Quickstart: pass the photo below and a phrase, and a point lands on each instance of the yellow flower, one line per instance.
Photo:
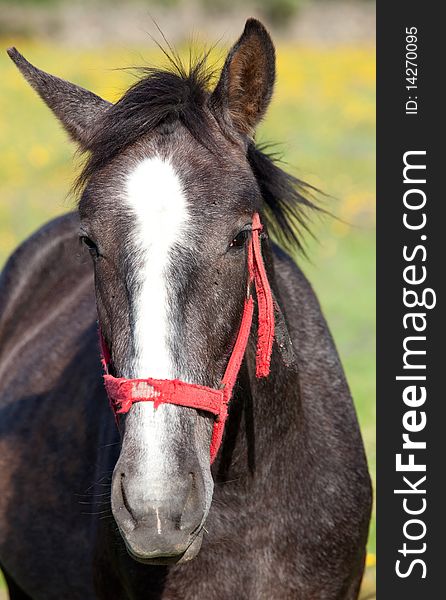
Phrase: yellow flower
(38, 156)
(370, 560)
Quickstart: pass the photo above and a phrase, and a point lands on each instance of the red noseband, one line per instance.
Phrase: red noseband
(124, 392)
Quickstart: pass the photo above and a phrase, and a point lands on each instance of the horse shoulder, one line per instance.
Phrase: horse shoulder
(49, 433)
(329, 429)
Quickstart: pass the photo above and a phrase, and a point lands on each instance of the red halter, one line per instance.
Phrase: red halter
(124, 392)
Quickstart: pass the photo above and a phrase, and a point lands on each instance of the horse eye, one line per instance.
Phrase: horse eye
(92, 248)
(240, 239)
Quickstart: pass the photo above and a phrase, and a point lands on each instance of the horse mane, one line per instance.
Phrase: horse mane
(287, 200)
(178, 93)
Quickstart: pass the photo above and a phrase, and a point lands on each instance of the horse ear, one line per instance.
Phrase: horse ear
(246, 83)
(76, 108)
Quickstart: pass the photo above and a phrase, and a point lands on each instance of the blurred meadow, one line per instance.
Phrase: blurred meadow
(323, 118)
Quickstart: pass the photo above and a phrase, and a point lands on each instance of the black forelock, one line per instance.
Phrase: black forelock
(180, 95)
(161, 96)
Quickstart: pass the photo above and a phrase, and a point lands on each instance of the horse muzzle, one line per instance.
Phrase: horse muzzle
(160, 497)
(159, 521)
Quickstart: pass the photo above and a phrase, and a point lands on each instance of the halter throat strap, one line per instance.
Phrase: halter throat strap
(123, 392)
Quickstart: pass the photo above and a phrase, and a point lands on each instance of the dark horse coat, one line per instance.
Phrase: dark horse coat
(291, 502)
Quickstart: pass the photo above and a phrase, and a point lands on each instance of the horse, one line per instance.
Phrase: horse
(174, 197)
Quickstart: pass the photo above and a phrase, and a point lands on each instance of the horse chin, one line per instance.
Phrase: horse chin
(189, 554)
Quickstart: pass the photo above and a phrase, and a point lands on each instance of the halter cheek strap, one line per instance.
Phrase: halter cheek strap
(124, 392)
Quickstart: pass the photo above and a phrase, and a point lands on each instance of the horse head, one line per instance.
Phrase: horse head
(166, 212)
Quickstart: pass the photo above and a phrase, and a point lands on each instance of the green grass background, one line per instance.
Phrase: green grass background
(323, 115)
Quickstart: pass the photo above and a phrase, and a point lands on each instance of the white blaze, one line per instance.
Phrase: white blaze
(158, 202)
(156, 197)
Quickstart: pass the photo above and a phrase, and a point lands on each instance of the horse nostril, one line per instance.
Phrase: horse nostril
(190, 505)
(124, 497)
